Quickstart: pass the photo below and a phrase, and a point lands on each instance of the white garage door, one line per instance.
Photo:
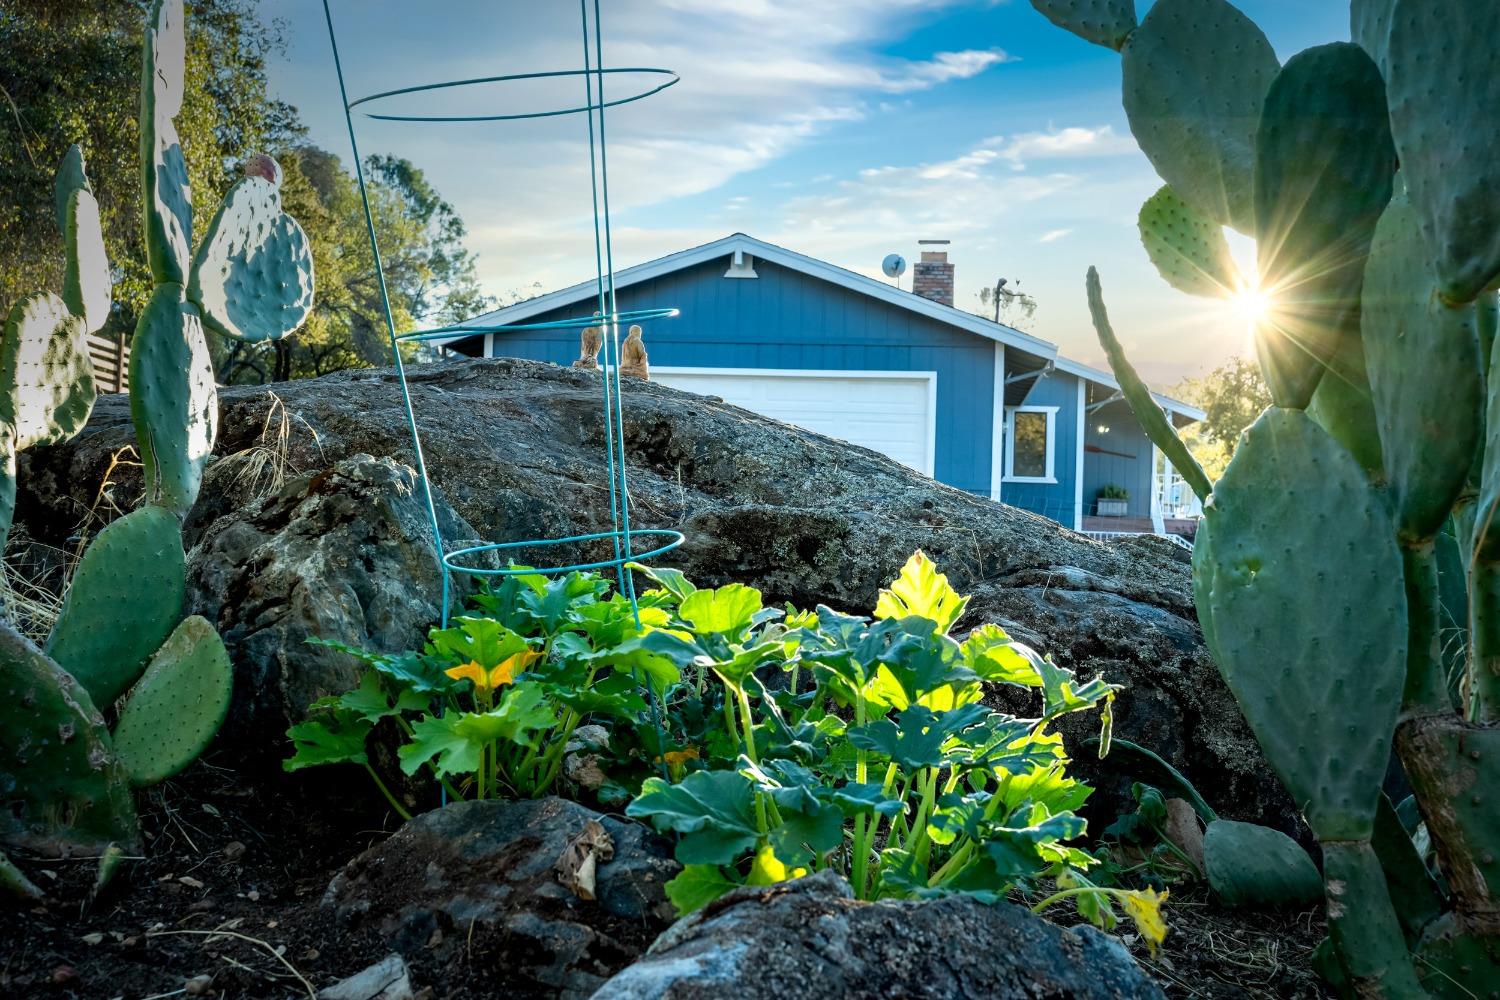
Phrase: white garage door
(889, 412)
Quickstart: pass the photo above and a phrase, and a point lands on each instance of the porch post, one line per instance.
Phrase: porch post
(1158, 484)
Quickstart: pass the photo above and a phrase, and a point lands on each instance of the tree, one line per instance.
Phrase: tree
(1231, 396)
(1010, 306)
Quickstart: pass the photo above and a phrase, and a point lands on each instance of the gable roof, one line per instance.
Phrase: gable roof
(1045, 351)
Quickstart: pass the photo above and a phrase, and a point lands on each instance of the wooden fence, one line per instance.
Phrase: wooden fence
(111, 359)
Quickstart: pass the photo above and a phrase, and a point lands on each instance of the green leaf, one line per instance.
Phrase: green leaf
(768, 869)
(370, 702)
(329, 738)
(714, 810)
(921, 591)
(729, 610)
(457, 738)
(553, 605)
(481, 640)
(919, 737)
(407, 670)
(1060, 693)
(673, 581)
(611, 623)
(862, 798)
(696, 886)
(928, 671)
(1049, 787)
(994, 657)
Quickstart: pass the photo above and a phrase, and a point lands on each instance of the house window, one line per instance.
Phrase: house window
(1029, 445)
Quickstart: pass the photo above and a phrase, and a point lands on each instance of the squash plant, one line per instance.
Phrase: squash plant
(784, 741)
(864, 745)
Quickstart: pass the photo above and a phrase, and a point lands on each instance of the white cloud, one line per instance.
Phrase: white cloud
(1053, 235)
(1061, 143)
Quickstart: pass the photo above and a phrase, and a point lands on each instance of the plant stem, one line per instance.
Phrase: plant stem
(400, 809)
(859, 864)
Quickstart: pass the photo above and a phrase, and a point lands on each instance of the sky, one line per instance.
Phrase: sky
(841, 129)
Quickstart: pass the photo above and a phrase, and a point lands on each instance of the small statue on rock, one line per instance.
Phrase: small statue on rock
(592, 340)
(633, 360)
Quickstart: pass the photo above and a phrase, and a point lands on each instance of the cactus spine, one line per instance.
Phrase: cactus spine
(1360, 506)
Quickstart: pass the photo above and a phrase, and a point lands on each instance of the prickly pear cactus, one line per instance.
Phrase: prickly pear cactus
(178, 705)
(164, 176)
(1189, 250)
(252, 279)
(172, 398)
(46, 385)
(1324, 164)
(60, 783)
(1195, 75)
(1103, 22)
(1443, 78)
(253, 275)
(133, 572)
(1253, 865)
(86, 280)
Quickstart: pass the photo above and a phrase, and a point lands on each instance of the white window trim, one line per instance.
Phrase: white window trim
(930, 377)
(997, 424)
(1010, 444)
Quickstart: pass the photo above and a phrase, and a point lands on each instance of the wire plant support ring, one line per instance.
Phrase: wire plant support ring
(622, 538)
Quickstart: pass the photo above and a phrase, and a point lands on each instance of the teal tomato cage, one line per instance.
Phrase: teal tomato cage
(622, 540)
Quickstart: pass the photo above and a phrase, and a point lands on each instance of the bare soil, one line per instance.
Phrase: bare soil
(233, 872)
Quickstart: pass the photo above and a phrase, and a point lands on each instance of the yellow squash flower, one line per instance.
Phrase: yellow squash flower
(495, 677)
(1144, 907)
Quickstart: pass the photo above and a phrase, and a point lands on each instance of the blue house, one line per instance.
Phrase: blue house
(971, 402)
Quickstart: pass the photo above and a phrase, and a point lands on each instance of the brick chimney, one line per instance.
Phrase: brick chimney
(932, 277)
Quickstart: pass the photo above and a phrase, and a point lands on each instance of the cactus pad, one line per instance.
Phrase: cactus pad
(86, 282)
(1253, 865)
(1443, 78)
(1363, 925)
(1189, 251)
(46, 379)
(172, 398)
(1341, 405)
(164, 176)
(1195, 74)
(1458, 958)
(1103, 22)
(1370, 27)
(60, 785)
(1317, 668)
(178, 706)
(125, 599)
(1459, 767)
(253, 275)
(1425, 375)
(71, 176)
(1142, 404)
(1324, 165)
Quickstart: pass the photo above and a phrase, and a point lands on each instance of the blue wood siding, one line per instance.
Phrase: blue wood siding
(1120, 454)
(1058, 500)
(785, 319)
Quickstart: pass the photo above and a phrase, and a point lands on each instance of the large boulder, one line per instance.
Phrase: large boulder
(810, 938)
(517, 450)
(494, 885)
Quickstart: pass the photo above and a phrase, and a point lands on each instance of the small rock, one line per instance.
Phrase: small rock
(94, 938)
(198, 986)
(387, 979)
(253, 896)
(64, 974)
(588, 738)
(584, 771)
(233, 851)
(190, 882)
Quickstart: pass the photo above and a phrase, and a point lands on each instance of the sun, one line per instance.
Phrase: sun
(1251, 303)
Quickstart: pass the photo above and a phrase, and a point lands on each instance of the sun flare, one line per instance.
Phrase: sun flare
(1251, 303)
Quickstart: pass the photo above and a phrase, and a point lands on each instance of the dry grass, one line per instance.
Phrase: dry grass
(264, 467)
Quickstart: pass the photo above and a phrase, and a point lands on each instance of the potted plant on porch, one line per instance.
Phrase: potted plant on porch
(1112, 500)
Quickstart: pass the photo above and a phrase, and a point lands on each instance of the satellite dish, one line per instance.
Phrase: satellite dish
(894, 265)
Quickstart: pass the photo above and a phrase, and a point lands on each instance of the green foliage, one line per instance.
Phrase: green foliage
(1346, 571)
(1113, 491)
(1231, 397)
